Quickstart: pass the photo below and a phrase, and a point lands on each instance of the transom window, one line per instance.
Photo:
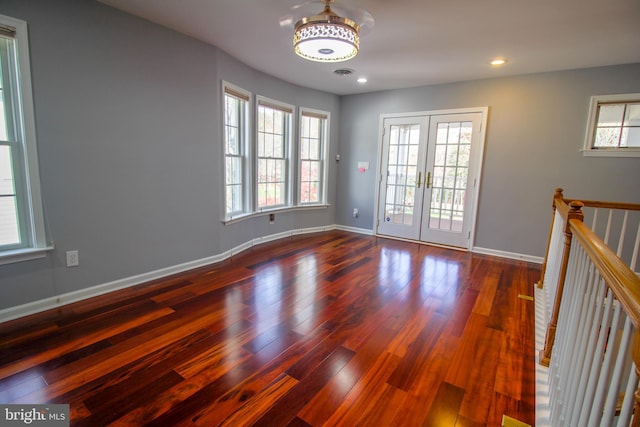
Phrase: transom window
(614, 126)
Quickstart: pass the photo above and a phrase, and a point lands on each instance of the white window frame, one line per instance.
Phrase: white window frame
(33, 243)
(244, 132)
(324, 153)
(289, 110)
(596, 101)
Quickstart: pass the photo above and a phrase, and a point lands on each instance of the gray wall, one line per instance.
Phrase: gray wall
(128, 124)
(535, 131)
(129, 141)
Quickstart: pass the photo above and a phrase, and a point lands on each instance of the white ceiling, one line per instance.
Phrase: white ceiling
(414, 42)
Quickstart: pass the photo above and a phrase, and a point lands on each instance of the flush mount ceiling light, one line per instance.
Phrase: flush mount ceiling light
(498, 61)
(326, 37)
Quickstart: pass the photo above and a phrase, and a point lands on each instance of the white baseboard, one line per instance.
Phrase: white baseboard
(510, 255)
(366, 231)
(93, 291)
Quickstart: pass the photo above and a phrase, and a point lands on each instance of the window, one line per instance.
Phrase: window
(313, 131)
(614, 126)
(273, 153)
(264, 170)
(22, 233)
(236, 171)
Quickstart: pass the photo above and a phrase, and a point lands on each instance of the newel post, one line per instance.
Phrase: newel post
(575, 212)
(556, 195)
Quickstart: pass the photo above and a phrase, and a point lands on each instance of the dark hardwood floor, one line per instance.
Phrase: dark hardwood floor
(325, 329)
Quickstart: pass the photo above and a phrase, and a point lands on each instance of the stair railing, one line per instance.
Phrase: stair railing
(593, 323)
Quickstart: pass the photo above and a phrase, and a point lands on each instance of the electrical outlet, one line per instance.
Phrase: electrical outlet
(72, 259)
(355, 213)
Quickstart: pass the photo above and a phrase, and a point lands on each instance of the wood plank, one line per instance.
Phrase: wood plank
(332, 328)
(286, 408)
(444, 411)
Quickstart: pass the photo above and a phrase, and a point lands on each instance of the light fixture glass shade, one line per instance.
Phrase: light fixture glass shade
(326, 38)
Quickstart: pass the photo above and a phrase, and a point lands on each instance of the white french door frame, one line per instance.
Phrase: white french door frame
(478, 156)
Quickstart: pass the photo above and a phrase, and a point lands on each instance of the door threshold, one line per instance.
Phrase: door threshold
(421, 242)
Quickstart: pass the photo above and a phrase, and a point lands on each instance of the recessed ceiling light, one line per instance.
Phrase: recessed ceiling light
(498, 61)
(362, 80)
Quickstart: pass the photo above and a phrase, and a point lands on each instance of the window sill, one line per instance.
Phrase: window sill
(264, 212)
(19, 255)
(627, 152)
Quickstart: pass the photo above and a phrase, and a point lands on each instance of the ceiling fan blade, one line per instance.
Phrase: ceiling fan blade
(314, 7)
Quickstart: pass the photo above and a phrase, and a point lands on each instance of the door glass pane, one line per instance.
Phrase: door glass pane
(450, 175)
(402, 174)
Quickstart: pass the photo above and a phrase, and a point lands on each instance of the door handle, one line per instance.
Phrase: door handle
(419, 178)
(428, 183)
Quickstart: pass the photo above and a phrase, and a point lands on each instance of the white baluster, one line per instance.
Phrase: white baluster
(626, 412)
(622, 351)
(595, 418)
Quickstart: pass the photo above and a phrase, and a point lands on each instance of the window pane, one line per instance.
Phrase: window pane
(234, 170)
(607, 137)
(261, 145)
(231, 111)
(632, 116)
(314, 126)
(233, 145)
(630, 137)
(304, 148)
(9, 231)
(9, 234)
(278, 146)
(314, 149)
(3, 122)
(268, 145)
(610, 115)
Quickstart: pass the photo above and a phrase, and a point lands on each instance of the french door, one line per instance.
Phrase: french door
(428, 176)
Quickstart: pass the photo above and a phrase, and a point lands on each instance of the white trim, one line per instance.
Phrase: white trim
(93, 291)
(484, 111)
(246, 130)
(325, 154)
(26, 128)
(19, 255)
(505, 254)
(611, 152)
(366, 231)
(290, 136)
(265, 212)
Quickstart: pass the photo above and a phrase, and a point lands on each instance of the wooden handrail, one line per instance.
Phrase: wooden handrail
(569, 209)
(620, 281)
(607, 205)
